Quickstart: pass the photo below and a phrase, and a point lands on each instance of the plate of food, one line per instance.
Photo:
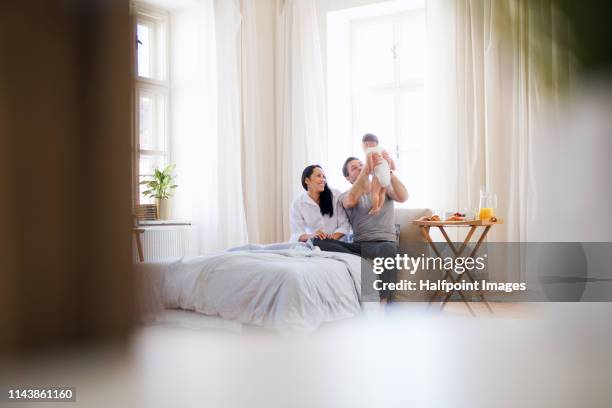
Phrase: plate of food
(457, 216)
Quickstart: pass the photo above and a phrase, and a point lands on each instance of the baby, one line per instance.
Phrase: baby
(381, 177)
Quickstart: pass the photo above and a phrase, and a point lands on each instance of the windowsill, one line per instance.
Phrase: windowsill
(163, 223)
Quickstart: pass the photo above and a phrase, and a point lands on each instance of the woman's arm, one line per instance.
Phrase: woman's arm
(297, 224)
(343, 226)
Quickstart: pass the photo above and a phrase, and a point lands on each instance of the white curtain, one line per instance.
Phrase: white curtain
(231, 214)
(491, 102)
(194, 120)
(205, 113)
(301, 122)
(500, 96)
(441, 109)
(258, 147)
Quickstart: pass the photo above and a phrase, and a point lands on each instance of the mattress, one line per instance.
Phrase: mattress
(278, 287)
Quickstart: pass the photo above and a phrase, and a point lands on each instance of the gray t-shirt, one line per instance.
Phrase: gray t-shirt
(366, 227)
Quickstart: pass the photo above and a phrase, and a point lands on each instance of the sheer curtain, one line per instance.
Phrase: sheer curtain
(300, 102)
(231, 211)
(258, 147)
(441, 105)
(206, 130)
(500, 97)
(193, 119)
(493, 106)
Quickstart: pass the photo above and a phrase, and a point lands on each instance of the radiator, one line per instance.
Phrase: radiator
(163, 242)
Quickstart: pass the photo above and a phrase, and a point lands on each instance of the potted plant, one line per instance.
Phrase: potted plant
(159, 187)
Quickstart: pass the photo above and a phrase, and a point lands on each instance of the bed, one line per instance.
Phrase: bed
(282, 286)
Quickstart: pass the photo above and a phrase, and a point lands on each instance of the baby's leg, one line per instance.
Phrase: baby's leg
(375, 195)
(381, 200)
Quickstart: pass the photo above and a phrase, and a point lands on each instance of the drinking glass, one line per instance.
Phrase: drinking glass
(488, 204)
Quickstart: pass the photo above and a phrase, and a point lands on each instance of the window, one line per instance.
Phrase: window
(151, 94)
(387, 88)
(376, 63)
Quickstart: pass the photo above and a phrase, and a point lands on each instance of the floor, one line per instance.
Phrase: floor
(528, 355)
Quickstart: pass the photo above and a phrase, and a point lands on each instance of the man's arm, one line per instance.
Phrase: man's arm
(359, 187)
(398, 191)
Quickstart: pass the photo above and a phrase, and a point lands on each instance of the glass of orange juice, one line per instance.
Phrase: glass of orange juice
(488, 203)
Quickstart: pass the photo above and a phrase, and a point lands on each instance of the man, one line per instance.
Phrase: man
(374, 234)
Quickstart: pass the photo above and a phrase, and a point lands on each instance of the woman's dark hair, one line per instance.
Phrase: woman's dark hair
(326, 200)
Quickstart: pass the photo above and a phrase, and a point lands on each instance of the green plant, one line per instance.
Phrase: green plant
(159, 185)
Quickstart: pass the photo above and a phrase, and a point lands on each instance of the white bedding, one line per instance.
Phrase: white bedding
(294, 288)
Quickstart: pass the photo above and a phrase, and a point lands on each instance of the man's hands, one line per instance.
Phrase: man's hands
(389, 160)
(374, 160)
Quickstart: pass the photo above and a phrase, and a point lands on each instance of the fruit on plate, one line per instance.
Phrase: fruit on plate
(455, 218)
(435, 218)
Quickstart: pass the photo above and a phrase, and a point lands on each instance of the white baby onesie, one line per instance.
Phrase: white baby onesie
(382, 171)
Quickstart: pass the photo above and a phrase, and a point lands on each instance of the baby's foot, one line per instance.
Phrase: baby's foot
(374, 211)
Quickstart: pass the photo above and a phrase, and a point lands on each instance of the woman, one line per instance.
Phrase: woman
(316, 212)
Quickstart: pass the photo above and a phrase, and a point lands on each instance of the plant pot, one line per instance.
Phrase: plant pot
(162, 209)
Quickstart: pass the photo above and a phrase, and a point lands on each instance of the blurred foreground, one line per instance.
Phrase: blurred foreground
(537, 355)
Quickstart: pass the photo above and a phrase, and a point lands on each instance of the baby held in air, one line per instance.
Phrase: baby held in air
(381, 177)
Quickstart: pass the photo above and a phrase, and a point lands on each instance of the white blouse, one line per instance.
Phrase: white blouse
(306, 217)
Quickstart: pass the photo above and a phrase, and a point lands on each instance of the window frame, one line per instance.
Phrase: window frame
(397, 87)
(158, 85)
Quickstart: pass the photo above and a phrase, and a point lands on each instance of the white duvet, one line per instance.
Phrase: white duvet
(279, 287)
